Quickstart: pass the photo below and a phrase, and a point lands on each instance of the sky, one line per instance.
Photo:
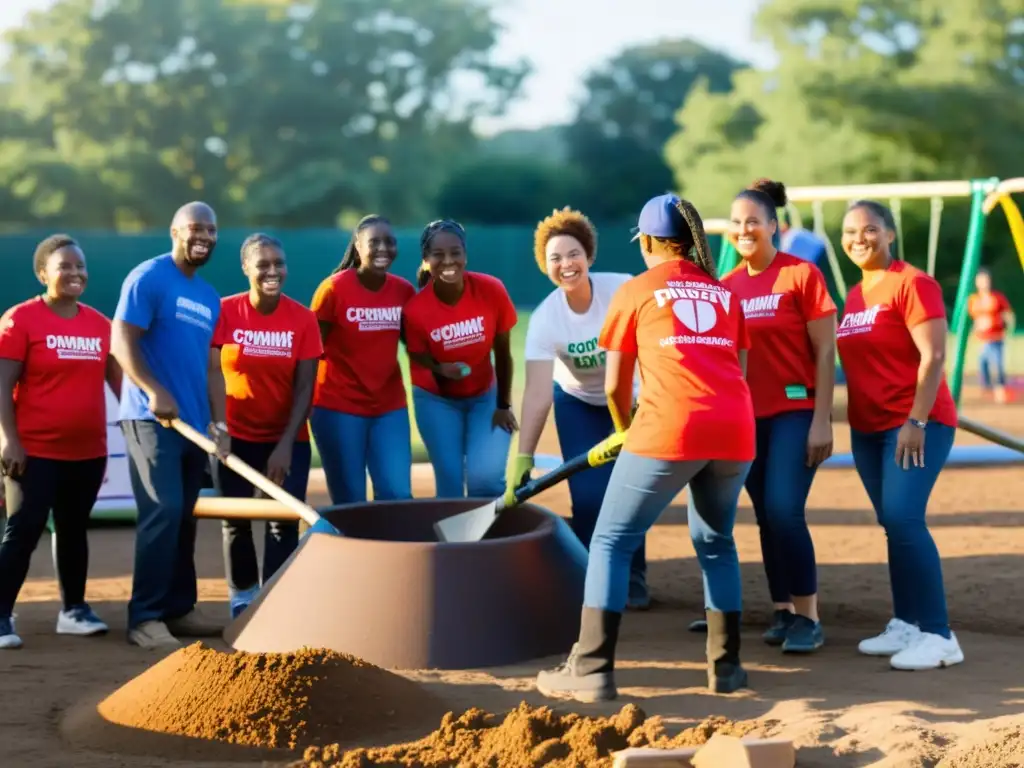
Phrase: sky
(566, 38)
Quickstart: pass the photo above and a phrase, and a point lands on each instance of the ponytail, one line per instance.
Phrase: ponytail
(422, 276)
(351, 258)
(698, 239)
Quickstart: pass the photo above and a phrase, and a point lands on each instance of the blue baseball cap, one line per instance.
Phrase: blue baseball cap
(660, 217)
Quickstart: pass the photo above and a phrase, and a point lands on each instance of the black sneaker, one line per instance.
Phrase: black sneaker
(779, 630)
(804, 636)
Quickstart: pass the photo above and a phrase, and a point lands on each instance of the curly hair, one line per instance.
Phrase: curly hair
(48, 247)
(564, 222)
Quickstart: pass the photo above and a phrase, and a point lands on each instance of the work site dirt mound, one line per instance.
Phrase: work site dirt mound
(269, 700)
(526, 737)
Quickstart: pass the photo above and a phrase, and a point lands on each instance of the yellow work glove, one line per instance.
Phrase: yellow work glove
(517, 475)
(607, 449)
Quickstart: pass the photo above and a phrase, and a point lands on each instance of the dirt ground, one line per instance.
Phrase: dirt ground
(840, 708)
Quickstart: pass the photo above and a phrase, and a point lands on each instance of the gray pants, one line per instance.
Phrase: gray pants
(167, 474)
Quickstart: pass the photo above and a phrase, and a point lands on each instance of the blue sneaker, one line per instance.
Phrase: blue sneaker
(9, 639)
(804, 636)
(80, 620)
(781, 622)
(240, 600)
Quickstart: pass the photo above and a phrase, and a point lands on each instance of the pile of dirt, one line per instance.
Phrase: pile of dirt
(525, 738)
(270, 700)
(1002, 749)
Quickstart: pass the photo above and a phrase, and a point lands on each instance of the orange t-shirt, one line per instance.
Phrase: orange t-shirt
(878, 353)
(777, 305)
(987, 314)
(360, 374)
(258, 356)
(686, 330)
(60, 401)
(463, 333)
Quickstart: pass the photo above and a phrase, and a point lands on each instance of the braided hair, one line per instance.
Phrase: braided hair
(429, 232)
(691, 245)
(883, 213)
(256, 241)
(351, 258)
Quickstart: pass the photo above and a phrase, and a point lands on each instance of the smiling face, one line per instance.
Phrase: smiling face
(64, 273)
(446, 258)
(750, 228)
(567, 263)
(866, 239)
(377, 248)
(194, 234)
(266, 267)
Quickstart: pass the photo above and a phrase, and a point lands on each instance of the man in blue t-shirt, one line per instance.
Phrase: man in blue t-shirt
(161, 336)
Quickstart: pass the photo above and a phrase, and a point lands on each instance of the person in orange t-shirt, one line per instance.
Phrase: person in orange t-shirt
(792, 324)
(694, 425)
(991, 314)
(360, 417)
(269, 347)
(892, 341)
(462, 400)
(55, 363)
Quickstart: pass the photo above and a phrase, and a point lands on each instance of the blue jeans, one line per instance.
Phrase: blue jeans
(581, 426)
(991, 359)
(778, 484)
(639, 490)
(467, 452)
(280, 538)
(349, 445)
(900, 498)
(167, 472)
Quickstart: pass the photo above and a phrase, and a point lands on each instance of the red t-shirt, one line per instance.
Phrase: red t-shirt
(463, 333)
(987, 314)
(878, 353)
(777, 305)
(360, 373)
(60, 401)
(686, 329)
(258, 356)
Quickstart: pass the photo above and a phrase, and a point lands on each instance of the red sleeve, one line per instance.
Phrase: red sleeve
(922, 301)
(618, 334)
(323, 301)
(1004, 303)
(311, 346)
(815, 301)
(221, 332)
(507, 316)
(13, 338)
(415, 338)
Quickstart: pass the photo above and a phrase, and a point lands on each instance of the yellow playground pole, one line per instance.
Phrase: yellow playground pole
(1001, 195)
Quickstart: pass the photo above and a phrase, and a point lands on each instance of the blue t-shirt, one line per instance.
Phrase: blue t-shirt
(178, 315)
(804, 245)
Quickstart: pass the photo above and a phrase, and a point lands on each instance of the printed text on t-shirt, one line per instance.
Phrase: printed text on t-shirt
(693, 304)
(586, 354)
(193, 312)
(761, 306)
(375, 318)
(75, 347)
(264, 343)
(860, 322)
(460, 334)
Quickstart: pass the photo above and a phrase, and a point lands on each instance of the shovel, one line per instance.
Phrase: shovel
(474, 525)
(316, 523)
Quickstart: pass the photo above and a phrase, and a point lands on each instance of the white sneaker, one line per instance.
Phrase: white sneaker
(9, 639)
(930, 651)
(80, 621)
(152, 635)
(898, 636)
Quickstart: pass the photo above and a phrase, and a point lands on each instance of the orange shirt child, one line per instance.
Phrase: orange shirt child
(258, 358)
(686, 329)
(463, 333)
(878, 352)
(60, 399)
(986, 311)
(777, 305)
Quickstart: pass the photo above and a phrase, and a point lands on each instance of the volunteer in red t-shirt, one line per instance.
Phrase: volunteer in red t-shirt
(360, 418)
(991, 314)
(54, 364)
(892, 341)
(791, 320)
(462, 401)
(269, 347)
(694, 425)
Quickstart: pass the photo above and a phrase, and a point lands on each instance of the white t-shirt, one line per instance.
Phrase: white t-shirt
(570, 339)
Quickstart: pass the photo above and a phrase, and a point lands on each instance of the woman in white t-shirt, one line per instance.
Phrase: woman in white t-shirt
(566, 368)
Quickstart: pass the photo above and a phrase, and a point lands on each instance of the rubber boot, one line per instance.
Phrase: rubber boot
(725, 673)
(588, 675)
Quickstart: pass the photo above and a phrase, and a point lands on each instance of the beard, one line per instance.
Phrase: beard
(193, 258)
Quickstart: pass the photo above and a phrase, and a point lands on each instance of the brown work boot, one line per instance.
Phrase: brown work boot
(194, 624)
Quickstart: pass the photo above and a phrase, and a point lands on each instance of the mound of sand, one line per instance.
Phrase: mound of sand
(525, 738)
(269, 700)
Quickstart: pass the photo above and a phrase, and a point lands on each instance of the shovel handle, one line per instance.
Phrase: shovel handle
(265, 484)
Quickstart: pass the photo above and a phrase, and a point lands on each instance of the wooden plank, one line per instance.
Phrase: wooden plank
(720, 751)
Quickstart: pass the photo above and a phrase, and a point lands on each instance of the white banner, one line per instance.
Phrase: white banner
(116, 492)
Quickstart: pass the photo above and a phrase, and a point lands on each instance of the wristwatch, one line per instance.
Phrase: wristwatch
(220, 426)
(917, 423)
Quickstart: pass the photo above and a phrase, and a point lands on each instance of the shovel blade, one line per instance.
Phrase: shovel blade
(467, 526)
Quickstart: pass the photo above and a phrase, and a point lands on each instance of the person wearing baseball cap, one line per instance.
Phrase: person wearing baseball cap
(694, 425)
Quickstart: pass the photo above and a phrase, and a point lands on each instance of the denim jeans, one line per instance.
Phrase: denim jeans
(581, 426)
(639, 490)
(349, 445)
(467, 452)
(900, 498)
(167, 472)
(991, 361)
(778, 485)
(280, 537)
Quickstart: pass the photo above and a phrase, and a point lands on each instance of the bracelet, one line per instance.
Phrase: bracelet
(503, 406)
(917, 423)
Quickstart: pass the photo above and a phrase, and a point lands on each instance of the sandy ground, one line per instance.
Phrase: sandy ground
(840, 708)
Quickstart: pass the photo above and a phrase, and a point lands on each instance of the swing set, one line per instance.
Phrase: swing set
(985, 195)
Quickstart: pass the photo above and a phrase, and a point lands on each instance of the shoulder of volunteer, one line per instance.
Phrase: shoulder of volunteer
(487, 282)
